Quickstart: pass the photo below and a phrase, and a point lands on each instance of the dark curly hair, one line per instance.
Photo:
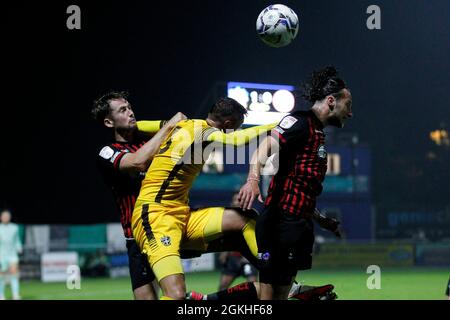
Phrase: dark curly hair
(322, 83)
(100, 109)
(227, 108)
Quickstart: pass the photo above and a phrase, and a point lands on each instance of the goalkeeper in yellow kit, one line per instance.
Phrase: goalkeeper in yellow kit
(162, 216)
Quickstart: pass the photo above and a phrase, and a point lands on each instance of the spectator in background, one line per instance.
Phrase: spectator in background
(10, 248)
(97, 265)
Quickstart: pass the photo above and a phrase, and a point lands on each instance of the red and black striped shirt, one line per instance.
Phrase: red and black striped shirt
(302, 163)
(125, 186)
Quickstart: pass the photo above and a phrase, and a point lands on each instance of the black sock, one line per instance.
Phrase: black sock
(242, 292)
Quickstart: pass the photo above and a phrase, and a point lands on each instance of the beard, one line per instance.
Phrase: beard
(335, 122)
(129, 131)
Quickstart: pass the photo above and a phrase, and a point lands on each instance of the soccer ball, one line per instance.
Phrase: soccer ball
(277, 25)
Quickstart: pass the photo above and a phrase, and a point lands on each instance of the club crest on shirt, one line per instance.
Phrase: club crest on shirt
(288, 122)
(321, 152)
(165, 241)
(106, 153)
(264, 256)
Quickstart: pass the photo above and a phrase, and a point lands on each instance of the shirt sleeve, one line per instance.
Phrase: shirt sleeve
(237, 138)
(150, 127)
(108, 158)
(291, 129)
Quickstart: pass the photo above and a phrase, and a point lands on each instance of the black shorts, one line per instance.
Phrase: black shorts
(236, 266)
(285, 245)
(140, 271)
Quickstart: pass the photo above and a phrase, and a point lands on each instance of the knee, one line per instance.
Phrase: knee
(265, 291)
(145, 292)
(234, 220)
(176, 293)
(174, 287)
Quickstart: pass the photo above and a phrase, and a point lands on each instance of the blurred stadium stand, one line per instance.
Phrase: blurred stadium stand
(102, 253)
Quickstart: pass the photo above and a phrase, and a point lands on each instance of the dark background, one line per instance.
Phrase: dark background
(170, 55)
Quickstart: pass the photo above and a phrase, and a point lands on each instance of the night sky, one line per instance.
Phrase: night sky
(170, 56)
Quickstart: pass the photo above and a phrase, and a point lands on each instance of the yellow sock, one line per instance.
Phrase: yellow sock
(166, 298)
(248, 231)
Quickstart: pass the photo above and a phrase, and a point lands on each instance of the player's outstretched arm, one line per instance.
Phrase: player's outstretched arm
(250, 190)
(150, 126)
(241, 137)
(141, 159)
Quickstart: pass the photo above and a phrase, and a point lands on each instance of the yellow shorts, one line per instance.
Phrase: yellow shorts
(203, 226)
(161, 231)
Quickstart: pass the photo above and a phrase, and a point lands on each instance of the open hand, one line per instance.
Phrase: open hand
(248, 193)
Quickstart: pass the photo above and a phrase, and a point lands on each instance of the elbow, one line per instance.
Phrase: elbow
(142, 166)
(137, 165)
(142, 161)
(135, 162)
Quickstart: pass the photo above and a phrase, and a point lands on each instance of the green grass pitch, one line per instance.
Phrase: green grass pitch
(396, 284)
